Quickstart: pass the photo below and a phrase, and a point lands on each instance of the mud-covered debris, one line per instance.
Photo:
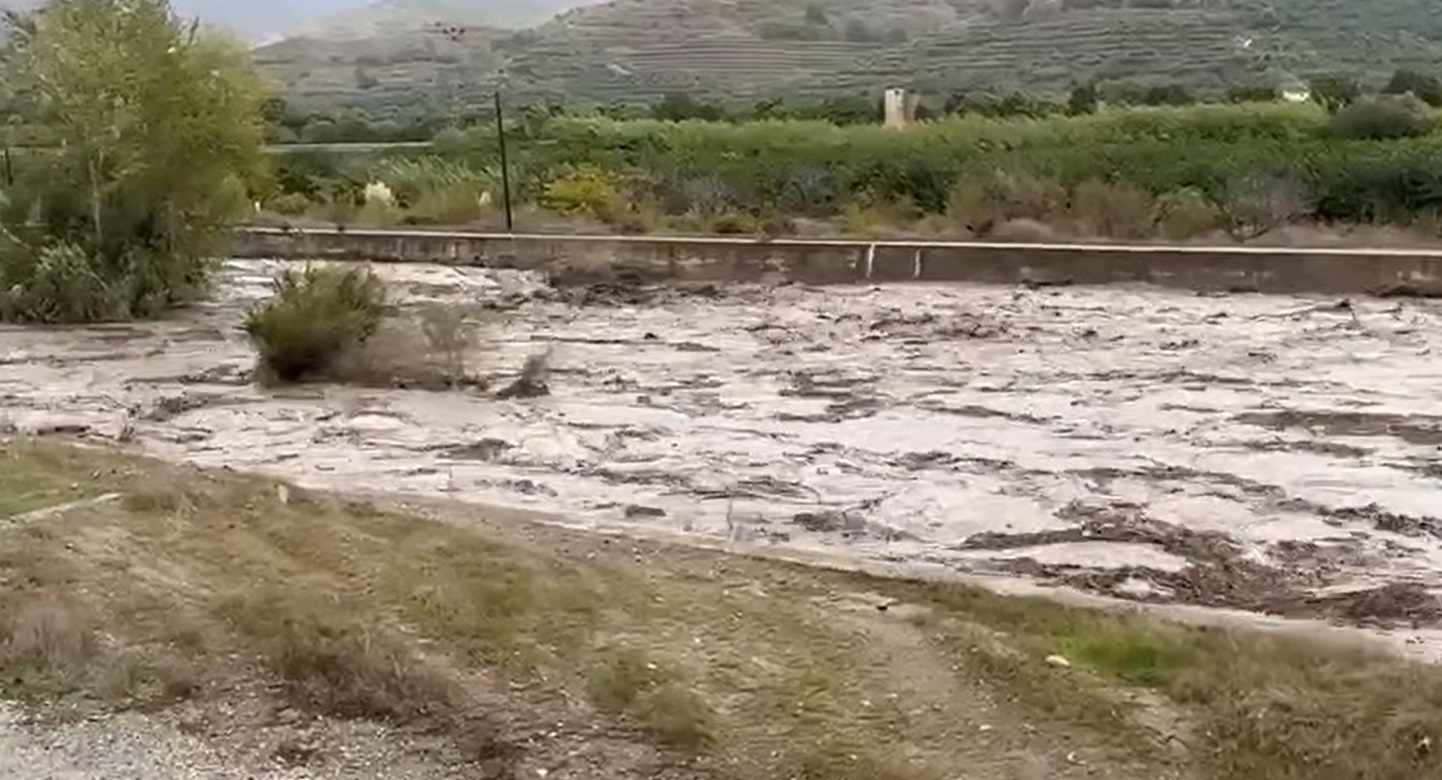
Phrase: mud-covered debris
(974, 327)
(1387, 605)
(625, 285)
(487, 449)
(436, 382)
(532, 381)
(220, 375)
(1382, 520)
(829, 522)
(59, 429)
(170, 407)
(636, 511)
(964, 326)
(917, 461)
(1177, 345)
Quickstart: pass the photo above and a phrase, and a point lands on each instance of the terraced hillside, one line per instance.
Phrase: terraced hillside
(637, 50)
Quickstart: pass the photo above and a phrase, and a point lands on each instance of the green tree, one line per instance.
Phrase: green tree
(1251, 93)
(155, 132)
(1384, 117)
(1084, 99)
(1427, 88)
(679, 107)
(1168, 95)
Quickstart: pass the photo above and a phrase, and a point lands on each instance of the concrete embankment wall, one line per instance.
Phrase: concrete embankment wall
(1234, 269)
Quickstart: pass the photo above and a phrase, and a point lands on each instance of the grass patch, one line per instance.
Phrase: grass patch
(335, 666)
(43, 644)
(33, 479)
(748, 668)
(1266, 706)
(840, 761)
(629, 682)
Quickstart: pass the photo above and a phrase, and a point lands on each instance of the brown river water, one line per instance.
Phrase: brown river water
(1264, 453)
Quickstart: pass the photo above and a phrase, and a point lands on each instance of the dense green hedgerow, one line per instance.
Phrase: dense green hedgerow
(1116, 172)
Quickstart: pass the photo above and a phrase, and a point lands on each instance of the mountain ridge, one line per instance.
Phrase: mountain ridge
(634, 51)
(395, 55)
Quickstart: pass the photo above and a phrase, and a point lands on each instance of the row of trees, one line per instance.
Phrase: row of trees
(1174, 172)
(288, 124)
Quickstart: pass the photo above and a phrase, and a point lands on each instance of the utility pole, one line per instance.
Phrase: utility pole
(456, 33)
(505, 165)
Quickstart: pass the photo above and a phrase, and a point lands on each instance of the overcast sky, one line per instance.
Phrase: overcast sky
(261, 19)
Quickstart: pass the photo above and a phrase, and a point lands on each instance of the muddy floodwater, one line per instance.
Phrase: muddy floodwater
(1274, 454)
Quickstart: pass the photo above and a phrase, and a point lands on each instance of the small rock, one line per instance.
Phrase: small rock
(1058, 661)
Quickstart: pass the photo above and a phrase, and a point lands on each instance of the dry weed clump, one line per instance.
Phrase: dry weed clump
(410, 350)
(532, 381)
(1185, 214)
(981, 202)
(629, 682)
(46, 637)
(450, 333)
(1112, 210)
(337, 667)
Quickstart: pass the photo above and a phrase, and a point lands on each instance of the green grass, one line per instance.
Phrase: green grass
(31, 480)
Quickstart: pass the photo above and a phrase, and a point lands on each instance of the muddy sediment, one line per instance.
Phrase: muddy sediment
(1269, 453)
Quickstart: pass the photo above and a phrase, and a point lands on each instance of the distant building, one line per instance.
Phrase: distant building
(899, 108)
(1297, 94)
(1294, 90)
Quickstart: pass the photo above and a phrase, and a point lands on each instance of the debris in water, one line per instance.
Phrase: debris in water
(532, 381)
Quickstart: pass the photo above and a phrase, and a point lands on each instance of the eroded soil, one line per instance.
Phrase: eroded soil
(1275, 454)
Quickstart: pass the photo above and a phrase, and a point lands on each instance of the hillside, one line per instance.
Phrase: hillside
(634, 51)
(398, 17)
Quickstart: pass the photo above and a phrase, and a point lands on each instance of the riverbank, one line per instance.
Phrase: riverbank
(206, 616)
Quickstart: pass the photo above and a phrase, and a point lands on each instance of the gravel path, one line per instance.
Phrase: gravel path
(134, 746)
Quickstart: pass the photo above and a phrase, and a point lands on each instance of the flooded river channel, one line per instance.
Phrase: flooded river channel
(1275, 454)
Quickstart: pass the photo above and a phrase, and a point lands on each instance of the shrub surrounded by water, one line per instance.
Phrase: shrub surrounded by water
(319, 317)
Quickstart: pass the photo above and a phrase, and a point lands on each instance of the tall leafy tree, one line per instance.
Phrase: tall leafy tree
(151, 132)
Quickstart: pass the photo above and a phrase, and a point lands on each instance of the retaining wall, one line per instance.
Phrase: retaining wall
(1227, 269)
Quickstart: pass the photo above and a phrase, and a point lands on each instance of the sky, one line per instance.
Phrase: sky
(261, 20)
